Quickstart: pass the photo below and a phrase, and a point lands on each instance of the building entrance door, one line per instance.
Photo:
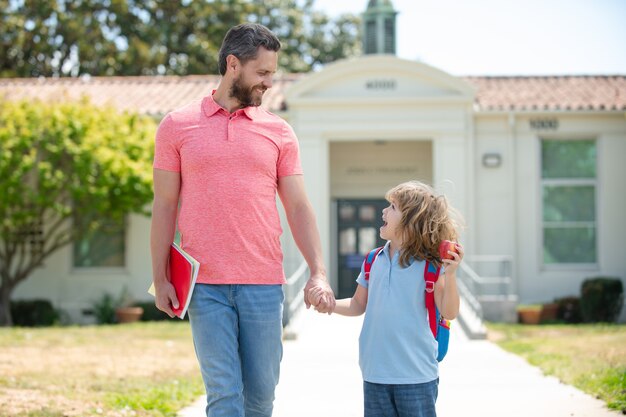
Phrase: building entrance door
(358, 228)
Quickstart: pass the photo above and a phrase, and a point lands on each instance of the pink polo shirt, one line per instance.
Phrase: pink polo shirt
(229, 166)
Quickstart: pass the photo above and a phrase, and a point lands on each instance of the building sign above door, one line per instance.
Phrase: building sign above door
(544, 124)
(357, 170)
(380, 84)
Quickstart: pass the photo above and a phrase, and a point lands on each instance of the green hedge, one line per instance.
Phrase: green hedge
(569, 310)
(601, 299)
(33, 313)
(152, 313)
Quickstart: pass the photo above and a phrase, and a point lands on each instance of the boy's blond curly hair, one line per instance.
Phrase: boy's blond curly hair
(427, 220)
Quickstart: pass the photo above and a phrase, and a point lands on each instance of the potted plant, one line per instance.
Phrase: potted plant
(128, 314)
(529, 313)
(549, 312)
(103, 309)
(126, 310)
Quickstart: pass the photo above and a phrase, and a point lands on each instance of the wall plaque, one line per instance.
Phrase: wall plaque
(544, 124)
(381, 84)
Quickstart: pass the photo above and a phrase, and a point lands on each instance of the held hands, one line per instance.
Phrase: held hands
(317, 293)
(165, 297)
(316, 297)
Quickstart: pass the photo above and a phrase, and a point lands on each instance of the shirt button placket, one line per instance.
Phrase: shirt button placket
(231, 120)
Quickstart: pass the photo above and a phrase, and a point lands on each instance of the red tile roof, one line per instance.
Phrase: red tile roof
(154, 95)
(157, 95)
(592, 92)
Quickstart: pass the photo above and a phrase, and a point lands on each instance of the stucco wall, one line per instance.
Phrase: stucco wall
(508, 205)
(76, 289)
(419, 109)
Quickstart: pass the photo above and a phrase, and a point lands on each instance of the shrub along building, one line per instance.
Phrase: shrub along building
(534, 164)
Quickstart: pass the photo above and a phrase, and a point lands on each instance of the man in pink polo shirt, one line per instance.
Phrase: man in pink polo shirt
(224, 159)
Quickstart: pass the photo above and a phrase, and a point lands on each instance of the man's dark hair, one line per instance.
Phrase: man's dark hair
(243, 41)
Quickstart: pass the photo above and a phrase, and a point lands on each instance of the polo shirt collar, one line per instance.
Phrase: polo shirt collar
(251, 112)
(387, 248)
(210, 107)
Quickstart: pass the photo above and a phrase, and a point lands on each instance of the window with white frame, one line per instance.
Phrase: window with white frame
(568, 179)
(104, 246)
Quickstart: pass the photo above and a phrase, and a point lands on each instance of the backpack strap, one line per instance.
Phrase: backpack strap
(431, 275)
(369, 260)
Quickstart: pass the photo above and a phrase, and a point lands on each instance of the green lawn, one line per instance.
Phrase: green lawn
(589, 357)
(150, 369)
(143, 369)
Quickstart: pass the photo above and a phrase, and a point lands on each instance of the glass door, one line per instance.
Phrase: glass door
(358, 228)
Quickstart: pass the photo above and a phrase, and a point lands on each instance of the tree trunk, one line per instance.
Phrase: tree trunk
(5, 306)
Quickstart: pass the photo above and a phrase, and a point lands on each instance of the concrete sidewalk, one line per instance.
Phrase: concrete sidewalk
(320, 377)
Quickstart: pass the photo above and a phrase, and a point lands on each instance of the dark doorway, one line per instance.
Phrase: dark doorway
(358, 232)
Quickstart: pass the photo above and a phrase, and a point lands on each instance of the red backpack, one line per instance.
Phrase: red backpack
(439, 326)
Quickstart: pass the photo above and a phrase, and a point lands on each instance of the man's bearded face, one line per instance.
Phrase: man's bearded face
(247, 95)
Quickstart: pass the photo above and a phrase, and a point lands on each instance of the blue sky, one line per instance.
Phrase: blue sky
(507, 37)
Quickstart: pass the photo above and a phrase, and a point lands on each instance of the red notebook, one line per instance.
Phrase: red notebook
(183, 270)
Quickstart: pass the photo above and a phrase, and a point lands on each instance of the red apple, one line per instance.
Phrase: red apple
(446, 246)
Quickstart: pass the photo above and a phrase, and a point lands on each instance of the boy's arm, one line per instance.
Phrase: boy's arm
(354, 306)
(446, 290)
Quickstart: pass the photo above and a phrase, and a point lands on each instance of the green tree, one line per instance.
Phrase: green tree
(167, 37)
(309, 37)
(332, 39)
(136, 37)
(65, 169)
(52, 38)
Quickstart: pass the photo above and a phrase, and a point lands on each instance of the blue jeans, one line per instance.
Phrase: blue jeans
(237, 334)
(402, 400)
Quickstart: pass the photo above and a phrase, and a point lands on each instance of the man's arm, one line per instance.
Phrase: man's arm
(301, 219)
(162, 230)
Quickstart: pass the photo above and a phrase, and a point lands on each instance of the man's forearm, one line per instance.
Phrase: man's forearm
(306, 235)
(162, 230)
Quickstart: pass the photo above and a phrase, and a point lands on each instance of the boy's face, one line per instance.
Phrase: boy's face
(390, 229)
(255, 78)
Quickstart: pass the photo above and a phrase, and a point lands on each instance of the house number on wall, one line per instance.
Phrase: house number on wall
(380, 84)
(544, 124)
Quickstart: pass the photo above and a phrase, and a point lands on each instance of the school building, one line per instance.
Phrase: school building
(535, 165)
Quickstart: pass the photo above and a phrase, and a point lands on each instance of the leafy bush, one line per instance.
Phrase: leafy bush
(32, 313)
(67, 169)
(104, 309)
(601, 299)
(152, 313)
(569, 309)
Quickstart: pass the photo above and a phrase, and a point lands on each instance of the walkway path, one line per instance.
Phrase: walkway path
(320, 377)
